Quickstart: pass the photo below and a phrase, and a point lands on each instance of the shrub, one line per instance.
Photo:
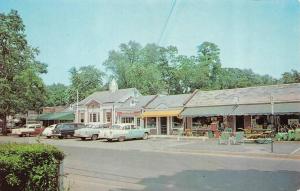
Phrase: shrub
(29, 167)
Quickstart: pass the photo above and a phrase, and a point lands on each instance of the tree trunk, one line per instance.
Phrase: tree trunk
(3, 124)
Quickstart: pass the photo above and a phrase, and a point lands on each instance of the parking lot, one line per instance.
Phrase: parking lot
(171, 164)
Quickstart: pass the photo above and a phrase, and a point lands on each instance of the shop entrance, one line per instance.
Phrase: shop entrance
(239, 123)
(163, 125)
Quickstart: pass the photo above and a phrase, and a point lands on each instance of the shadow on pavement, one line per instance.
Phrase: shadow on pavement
(232, 180)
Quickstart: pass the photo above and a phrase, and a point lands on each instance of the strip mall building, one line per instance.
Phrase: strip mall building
(260, 107)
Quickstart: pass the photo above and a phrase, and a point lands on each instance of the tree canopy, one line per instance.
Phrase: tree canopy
(21, 88)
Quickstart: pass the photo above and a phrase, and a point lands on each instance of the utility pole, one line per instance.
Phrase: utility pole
(77, 114)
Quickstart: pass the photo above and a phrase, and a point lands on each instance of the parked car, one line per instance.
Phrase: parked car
(126, 131)
(28, 130)
(93, 131)
(48, 131)
(65, 130)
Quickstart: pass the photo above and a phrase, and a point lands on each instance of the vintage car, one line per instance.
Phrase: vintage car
(92, 131)
(28, 130)
(64, 130)
(126, 131)
(48, 131)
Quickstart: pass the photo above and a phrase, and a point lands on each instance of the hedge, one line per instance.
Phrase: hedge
(29, 167)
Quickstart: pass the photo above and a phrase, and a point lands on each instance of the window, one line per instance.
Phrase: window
(81, 117)
(94, 117)
(177, 123)
(108, 117)
(127, 120)
(151, 122)
(127, 127)
(138, 121)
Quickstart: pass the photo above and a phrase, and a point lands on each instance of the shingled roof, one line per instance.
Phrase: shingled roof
(102, 97)
(250, 95)
(140, 102)
(169, 101)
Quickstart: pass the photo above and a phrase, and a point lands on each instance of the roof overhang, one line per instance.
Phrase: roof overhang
(161, 113)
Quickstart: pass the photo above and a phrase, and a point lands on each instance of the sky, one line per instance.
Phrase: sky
(263, 35)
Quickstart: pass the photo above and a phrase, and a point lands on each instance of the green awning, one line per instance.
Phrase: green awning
(61, 116)
(281, 108)
(208, 111)
(250, 109)
(253, 109)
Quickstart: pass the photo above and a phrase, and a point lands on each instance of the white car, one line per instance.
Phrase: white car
(92, 131)
(126, 131)
(28, 130)
(48, 131)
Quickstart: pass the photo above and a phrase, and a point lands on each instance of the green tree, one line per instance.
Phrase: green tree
(86, 80)
(209, 65)
(57, 94)
(21, 88)
(291, 77)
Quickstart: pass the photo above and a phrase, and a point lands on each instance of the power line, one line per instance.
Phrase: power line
(166, 23)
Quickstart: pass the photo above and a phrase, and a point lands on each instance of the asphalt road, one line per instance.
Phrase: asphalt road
(144, 165)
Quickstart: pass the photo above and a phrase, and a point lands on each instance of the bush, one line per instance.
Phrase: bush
(29, 167)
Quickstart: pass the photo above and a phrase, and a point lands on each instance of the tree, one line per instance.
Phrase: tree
(209, 64)
(57, 94)
(291, 77)
(21, 87)
(86, 80)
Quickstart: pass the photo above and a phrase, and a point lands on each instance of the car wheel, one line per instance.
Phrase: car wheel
(48, 137)
(145, 137)
(61, 137)
(94, 137)
(109, 140)
(82, 138)
(20, 135)
(121, 139)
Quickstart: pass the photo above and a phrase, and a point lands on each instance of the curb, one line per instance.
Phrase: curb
(234, 154)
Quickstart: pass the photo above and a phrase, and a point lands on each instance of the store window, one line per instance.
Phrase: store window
(151, 122)
(127, 119)
(108, 117)
(138, 121)
(177, 122)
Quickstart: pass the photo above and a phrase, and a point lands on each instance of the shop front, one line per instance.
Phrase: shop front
(130, 117)
(163, 122)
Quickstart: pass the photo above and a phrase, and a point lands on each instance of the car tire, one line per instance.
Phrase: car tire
(121, 139)
(145, 137)
(109, 140)
(94, 137)
(61, 137)
(48, 137)
(82, 138)
(21, 135)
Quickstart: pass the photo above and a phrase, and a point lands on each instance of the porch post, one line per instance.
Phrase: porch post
(168, 125)
(157, 126)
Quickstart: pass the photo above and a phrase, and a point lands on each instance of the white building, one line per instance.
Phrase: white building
(100, 107)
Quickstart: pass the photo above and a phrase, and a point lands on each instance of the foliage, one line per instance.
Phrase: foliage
(86, 80)
(21, 87)
(57, 94)
(29, 167)
(291, 77)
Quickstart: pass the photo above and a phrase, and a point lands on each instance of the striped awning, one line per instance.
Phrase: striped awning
(161, 113)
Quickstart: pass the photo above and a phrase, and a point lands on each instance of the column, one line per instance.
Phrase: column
(157, 126)
(168, 125)
(86, 115)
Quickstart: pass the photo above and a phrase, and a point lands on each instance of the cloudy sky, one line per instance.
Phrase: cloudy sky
(263, 35)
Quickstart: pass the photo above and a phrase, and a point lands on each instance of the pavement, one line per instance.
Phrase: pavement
(171, 164)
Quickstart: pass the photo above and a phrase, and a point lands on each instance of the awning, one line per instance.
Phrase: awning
(160, 113)
(281, 108)
(208, 111)
(253, 109)
(250, 109)
(62, 116)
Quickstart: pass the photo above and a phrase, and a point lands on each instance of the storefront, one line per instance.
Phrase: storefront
(163, 122)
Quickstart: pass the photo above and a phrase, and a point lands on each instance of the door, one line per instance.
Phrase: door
(163, 125)
(239, 123)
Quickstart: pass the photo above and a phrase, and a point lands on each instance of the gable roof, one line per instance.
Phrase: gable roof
(141, 101)
(102, 97)
(250, 95)
(169, 101)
